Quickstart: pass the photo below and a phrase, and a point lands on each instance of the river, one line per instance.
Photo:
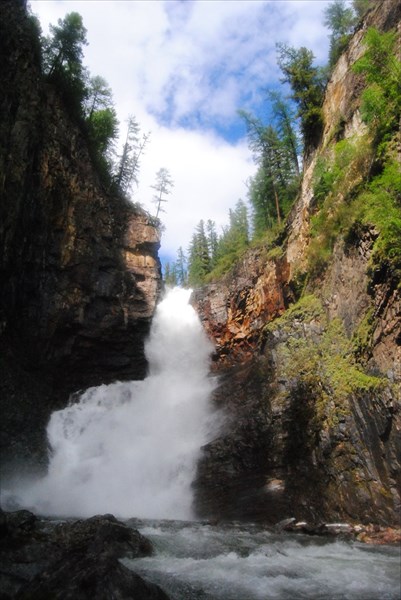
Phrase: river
(195, 561)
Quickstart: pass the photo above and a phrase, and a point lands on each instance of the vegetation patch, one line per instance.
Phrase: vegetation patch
(338, 176)
(308, 308)
(318, 360)
(362, 338)
(380, 205)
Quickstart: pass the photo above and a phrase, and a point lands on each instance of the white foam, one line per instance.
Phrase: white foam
(232, 563)
(131, 448)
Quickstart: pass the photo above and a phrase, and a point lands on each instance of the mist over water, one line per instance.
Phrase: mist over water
(131, 448)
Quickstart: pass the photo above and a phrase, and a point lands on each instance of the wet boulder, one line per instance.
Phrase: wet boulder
(71, 560)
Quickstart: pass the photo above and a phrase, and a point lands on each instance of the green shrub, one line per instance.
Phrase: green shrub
(337, 178)
(381, 100)
(319, 360)
(380, 206)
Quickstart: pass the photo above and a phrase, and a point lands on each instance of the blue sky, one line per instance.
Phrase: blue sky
(184, 68)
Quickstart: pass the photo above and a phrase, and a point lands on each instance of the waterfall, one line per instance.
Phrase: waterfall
(131, 448)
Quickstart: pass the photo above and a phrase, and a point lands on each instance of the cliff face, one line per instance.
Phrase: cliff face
(311, 389)
(80, 274)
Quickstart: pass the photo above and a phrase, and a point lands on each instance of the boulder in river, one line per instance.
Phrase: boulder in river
(71, 560)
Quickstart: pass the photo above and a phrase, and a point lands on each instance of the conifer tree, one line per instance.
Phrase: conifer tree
(181, 268)
(286, 127)
(128, 164)
(212, 240)
(62, 59)
(307, 85)
(170, 274)
(262, 209)
(235, 237)
(63, 49)
(163, 186)
(99, 96)
(198, 256)
(274, 188)
(340, 20)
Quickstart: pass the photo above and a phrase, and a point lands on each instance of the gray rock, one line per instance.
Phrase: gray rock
(73, 560)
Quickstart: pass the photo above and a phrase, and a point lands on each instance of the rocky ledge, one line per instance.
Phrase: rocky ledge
(369, 534)
(71, 560)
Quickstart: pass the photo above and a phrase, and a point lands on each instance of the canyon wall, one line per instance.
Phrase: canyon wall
(309, 364)
(79, 267)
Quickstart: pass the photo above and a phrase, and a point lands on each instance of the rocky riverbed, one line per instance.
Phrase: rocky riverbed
(71, 560)
(86, 559)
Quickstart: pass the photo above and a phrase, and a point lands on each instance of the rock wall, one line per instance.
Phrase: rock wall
(80, 274)
(234, 310)
(313, 428)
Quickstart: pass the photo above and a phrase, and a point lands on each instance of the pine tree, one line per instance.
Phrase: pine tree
(307, 85)
(235, 237)
(340, 20)
(99, 96)
(181, 268)
(286, 127)
(212, 241)
(259, 194)
(170, 274)
(199, 264)
(163, 186)
(128, 165)
(63, 49)
(274, 188)
(62, 60)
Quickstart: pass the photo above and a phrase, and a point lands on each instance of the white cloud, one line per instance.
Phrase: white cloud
(209, 177)
(183, 68)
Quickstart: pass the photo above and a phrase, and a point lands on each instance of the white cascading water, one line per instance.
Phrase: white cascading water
(130, 448)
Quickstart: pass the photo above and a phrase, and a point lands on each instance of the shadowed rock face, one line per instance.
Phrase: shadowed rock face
(306, 434)
(292, 447)
(73, 560)
(80, 274)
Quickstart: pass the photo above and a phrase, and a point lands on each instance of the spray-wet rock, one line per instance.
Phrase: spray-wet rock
(78, 559)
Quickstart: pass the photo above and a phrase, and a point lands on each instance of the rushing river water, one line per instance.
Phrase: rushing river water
(194, 561)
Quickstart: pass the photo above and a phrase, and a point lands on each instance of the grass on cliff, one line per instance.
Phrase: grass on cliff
(347, 203)
(315, 355)
(357, 182)
(380, 205)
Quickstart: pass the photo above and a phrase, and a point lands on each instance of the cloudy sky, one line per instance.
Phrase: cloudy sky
(183, 68)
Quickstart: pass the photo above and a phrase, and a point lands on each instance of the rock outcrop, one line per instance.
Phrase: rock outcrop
(311, 390)
(80, 274)
(235, 309)
(78, 559)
